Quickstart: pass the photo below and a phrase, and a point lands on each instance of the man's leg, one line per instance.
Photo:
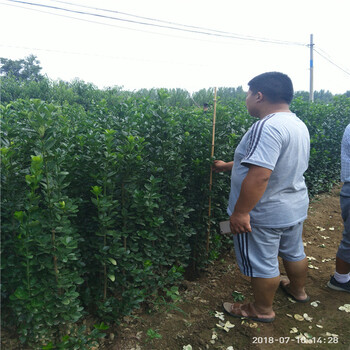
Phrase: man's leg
(297, 274)
(260, 309)
(264, 290)
(341, 279)
(342, 266)
(256, 255)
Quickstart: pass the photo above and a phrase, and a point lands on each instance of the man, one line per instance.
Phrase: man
(269, 200)
(341, 279)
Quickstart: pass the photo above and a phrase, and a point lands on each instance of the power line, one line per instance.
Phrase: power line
(329, 60)
(243, 37)
(195, 30)
(169, 25)
(112, 25)
(107, 24)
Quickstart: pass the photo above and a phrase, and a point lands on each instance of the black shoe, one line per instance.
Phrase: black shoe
(342, 287)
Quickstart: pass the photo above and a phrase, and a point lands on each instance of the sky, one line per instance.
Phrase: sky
(221, 43)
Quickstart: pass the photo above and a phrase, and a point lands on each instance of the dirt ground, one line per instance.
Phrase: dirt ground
(190, 323)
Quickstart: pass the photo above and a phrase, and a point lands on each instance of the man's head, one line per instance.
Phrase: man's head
(276, 87)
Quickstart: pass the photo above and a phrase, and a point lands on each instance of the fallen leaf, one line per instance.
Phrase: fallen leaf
(307, 317)
(294, 330)
(345, 307)
(187, 347)
(315, 303)
(220, 315)
(228, 324)
(327, 334)
(225, 326)
(331, 229)
(298, 317)
(204, 301)
(303, 339)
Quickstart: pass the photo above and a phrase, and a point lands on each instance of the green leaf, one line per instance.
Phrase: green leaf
(19, 215)
(111, 277)
(101, 326)
(112, 261)
(21, 293)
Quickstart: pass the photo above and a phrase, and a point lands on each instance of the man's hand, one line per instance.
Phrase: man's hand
(221, 166)
(240, 223)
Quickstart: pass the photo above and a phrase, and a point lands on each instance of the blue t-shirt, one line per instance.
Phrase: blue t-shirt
(345, 155)
(279, 142)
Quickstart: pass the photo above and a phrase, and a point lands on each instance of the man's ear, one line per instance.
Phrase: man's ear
(259, 96)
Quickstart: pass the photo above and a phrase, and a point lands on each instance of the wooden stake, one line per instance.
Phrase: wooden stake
(211, 171)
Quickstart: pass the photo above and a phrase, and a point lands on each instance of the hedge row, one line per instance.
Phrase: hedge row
(107, 207)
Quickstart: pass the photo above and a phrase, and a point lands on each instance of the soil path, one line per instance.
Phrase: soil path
(193, 322)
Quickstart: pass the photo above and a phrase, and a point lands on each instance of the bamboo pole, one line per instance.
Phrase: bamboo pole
(211, 172)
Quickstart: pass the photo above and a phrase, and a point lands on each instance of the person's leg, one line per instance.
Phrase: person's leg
(341, 266)
(295, 262)
(257, 257)
(341, 279)
(264, 290)
(297, 274)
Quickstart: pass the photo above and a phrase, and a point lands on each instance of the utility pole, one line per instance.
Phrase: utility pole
(311, 95)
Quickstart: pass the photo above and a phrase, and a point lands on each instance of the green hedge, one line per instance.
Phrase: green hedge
(106, 207)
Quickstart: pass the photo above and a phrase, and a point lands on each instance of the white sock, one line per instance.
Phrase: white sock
(342, 278)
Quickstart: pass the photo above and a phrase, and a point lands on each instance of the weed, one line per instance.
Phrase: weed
(152, 334)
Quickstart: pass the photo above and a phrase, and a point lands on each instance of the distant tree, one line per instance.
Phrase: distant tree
(303, 94)
(203, 97)
(227, 94)
(323, 96)
(179, 97)
(23, 69)
(147, 93)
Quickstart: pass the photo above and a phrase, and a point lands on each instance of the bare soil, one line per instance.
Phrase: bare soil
(192, 321)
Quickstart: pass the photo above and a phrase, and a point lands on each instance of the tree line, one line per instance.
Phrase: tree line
(23, 79)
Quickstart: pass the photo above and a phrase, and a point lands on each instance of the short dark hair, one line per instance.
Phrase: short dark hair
(275, 86)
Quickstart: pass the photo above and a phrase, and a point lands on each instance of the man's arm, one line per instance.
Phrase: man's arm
(220, 166)
(252, 189)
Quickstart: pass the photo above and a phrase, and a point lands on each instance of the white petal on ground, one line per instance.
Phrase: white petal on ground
(220, 315)
(299, 317)
(345, 307)
(307, 317)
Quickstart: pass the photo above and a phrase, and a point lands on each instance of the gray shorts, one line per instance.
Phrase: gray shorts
(257, 251)
(344, 247)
